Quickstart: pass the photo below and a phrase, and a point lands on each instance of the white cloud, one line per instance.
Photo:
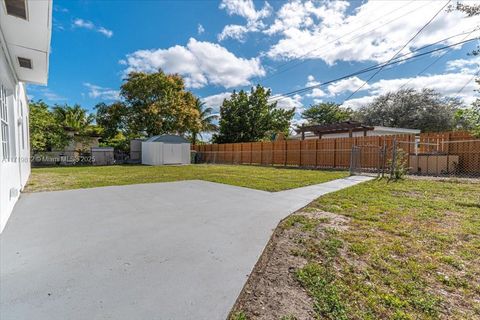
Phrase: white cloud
(234, 31)
(298, 14)
(216, 100)
(356, 103)
(107, 33)
(200, 63)
(245, 9)
(101, 92)
(288, 103)
(373, 31)
(464, 65)
(295, 123)
(80, 23)
(311, 81)
(316, 93)
(45, 94)
(346, 85)
(200, 29)
(89, 25)
(448, 84)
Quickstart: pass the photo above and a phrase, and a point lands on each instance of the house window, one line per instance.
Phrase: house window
(4, 124)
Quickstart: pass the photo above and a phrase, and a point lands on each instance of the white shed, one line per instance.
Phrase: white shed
(165, 149)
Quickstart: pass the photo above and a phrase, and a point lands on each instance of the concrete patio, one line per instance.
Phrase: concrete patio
(179, 250)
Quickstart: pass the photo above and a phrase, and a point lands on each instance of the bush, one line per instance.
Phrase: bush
(398, 165)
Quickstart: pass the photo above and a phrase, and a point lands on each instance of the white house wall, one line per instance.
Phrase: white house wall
(15, 170)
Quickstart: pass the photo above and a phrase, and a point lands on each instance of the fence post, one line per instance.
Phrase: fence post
(251, 152)
(351, 161)
(261, 153)
(394, 157)
(273, 152)
(335, 153)
(300, 150)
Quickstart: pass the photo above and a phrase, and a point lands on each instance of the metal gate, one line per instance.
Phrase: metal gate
(371, 159)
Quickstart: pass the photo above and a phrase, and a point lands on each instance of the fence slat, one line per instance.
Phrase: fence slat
(429, 153)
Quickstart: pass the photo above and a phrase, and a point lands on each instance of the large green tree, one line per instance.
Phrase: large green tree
(469, 118)
(112, 118)
(46, 133)
(326, 113)
(207, 121)
(158, 103)
(426, 110)
(250, 116)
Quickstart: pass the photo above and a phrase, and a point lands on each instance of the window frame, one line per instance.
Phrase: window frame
(4, 124)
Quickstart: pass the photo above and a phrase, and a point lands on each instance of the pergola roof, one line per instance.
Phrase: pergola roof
(341, 127)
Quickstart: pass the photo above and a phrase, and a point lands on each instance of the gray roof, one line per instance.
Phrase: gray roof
(167, 139)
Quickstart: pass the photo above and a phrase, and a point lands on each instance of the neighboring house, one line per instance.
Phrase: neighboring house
(25, 30)
(78, 147)
(347, 129)
(81, 143)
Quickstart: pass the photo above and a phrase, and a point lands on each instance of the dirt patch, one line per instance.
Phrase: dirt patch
(272, 290)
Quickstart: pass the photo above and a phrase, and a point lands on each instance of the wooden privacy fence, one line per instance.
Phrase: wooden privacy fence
(373, 152)
(319, 153)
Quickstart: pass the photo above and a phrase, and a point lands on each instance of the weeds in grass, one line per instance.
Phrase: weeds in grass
(306, 223)
(408, 244)
(320, 282)
(239, 316)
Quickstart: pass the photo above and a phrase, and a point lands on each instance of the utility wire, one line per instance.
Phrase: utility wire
(402, 55)
(466, 83)
(368, 69)
(339, 38)
(435, 61)
(398, 52)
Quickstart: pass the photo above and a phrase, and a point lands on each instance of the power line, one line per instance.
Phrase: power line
(371, 68)
(341, 37)
(398, 52)
(466, 83)
(435, 61)
(368, 69)
(402, 55)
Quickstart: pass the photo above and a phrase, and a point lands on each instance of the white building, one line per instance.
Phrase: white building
(165, 149)
(25, 30)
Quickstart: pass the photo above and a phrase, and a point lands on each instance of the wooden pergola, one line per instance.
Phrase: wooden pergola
(341, 127)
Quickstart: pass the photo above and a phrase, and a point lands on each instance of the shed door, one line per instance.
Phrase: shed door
(172, 153)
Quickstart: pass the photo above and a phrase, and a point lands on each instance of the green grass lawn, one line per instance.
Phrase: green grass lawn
(262, 178)
(411, 251)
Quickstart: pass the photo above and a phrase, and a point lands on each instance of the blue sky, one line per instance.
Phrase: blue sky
(219, 46)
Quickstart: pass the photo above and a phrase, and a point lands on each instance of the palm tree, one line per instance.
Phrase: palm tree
(73, 118)
(207, 120)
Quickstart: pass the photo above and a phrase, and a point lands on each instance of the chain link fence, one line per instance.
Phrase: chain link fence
(459, 158)
(80, 158)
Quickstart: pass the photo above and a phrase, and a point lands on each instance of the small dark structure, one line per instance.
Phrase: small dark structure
(341, 127)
